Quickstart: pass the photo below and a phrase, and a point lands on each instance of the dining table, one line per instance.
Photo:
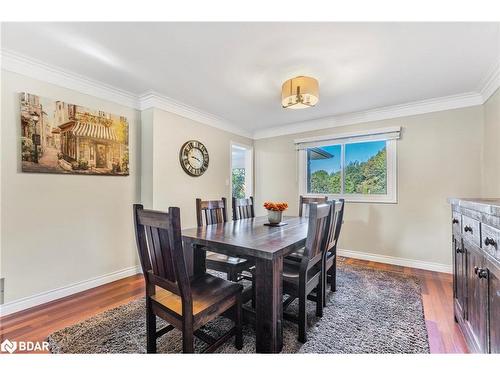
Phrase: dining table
(266, 246)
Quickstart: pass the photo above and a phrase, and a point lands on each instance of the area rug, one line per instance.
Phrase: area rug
(372, 311)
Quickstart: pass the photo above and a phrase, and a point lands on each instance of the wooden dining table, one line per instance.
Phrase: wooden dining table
(266, 246)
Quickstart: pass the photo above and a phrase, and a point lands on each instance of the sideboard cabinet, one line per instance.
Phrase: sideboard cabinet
(476, 271)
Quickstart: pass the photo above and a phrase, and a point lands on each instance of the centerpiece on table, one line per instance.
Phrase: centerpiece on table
(275, 212)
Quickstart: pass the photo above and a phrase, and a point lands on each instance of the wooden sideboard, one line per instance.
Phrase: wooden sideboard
(476, 271)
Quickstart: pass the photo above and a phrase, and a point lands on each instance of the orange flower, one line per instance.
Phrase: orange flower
(276, 206)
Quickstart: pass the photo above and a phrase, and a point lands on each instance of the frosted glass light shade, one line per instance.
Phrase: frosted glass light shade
(300, 92)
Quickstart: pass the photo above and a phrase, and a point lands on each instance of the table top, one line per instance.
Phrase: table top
(250, 237)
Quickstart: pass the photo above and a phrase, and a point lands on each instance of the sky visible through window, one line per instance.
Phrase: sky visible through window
(354, 152)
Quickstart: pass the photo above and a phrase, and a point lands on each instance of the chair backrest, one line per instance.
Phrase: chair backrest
(334, 223)
(214, 212)
(243, 208)
(308, 200)
(159, 242)
(319, 215)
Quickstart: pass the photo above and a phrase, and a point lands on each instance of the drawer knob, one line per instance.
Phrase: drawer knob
(454, 221)
(459, 250)
(468, 229)
(482, 273)
(476, 269)
(490, 241)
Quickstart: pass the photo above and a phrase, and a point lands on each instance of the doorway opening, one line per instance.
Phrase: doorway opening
(241, 170)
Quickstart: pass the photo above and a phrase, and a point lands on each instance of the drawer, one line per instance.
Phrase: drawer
(471, 230)
(490, 240)
(456, 222)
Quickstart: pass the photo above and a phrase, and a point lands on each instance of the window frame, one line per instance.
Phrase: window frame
(390, 197)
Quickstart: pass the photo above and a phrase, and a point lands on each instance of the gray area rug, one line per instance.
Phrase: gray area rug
(371, 312)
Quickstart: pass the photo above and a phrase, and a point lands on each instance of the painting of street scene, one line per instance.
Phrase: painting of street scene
(57, 137)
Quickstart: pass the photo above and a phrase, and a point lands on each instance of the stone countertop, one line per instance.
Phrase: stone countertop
(489, 206)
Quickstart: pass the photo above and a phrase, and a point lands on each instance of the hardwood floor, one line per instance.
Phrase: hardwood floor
(37, 323)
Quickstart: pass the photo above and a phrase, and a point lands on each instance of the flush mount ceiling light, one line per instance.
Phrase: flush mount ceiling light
(300, 92)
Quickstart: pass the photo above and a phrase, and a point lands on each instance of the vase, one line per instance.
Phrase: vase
(274, 217)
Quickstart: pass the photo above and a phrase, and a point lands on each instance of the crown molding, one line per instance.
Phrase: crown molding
(401, 110)
(17, 63)
(27, 66)
(152, 99)
(490, 84)
(21, 64)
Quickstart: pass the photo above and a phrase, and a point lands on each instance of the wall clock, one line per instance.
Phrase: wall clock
(194, 158)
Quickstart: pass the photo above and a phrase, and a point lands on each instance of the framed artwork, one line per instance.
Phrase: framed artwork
(58, 137)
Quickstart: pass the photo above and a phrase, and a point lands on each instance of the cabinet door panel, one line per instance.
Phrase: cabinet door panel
(459, 276)
(476, 298)
(494, 305)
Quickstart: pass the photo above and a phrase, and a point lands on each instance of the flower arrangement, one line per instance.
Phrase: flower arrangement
(276, 206)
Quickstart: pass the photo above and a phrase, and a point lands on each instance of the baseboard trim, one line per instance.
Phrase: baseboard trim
(51, 295)
(430, 266)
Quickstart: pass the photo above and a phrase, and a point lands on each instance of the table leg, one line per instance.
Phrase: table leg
(198, 256)
(269, 305)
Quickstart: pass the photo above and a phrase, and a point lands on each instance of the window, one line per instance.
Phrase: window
(357, 167)
(238, 182)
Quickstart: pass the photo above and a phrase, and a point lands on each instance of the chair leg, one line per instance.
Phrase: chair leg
(232, 276)
(187, 338)
(238, 340)
(302, 317)
(253, 292)
(325, 282)
(320, 294)
(150, 328)
(333, 275)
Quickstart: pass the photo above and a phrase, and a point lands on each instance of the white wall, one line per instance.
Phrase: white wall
(59, 230)
(170, 185)
(439, 156)
(491, 154)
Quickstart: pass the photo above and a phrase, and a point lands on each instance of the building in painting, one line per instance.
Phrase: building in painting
(88, 139)
(31, 114)
(35, 124)
(56, 138)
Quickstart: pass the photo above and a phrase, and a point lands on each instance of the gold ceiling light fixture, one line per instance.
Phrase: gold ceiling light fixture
(300, 92)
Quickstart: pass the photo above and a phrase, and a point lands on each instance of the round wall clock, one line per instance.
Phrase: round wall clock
(194, 158)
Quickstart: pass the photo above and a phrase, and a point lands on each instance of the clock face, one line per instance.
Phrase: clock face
(194, 158)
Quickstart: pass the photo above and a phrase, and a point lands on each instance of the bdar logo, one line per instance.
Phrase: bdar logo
(8, 346)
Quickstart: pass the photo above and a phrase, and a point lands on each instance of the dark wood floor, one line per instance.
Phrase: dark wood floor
(37, 323)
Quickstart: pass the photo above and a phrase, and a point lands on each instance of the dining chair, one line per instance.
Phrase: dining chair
(243, 208)
(308, 200)
(184, 303)
(330, 262)
(297, 255)
(215, 212)
(301, 278)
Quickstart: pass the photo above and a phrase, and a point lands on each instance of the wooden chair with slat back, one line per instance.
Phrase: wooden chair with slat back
(297, 255)
(301, 278)
(331, 245)
(186, 304)
(215, 212)
(243, 208)
(308, 200)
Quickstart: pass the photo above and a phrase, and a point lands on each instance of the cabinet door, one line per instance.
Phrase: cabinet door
(477, 298)
(459, 276)
(494, 305)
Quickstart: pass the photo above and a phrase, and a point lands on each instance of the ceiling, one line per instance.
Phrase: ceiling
(235, 70)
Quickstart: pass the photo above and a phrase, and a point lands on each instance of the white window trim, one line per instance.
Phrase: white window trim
(392, 188)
